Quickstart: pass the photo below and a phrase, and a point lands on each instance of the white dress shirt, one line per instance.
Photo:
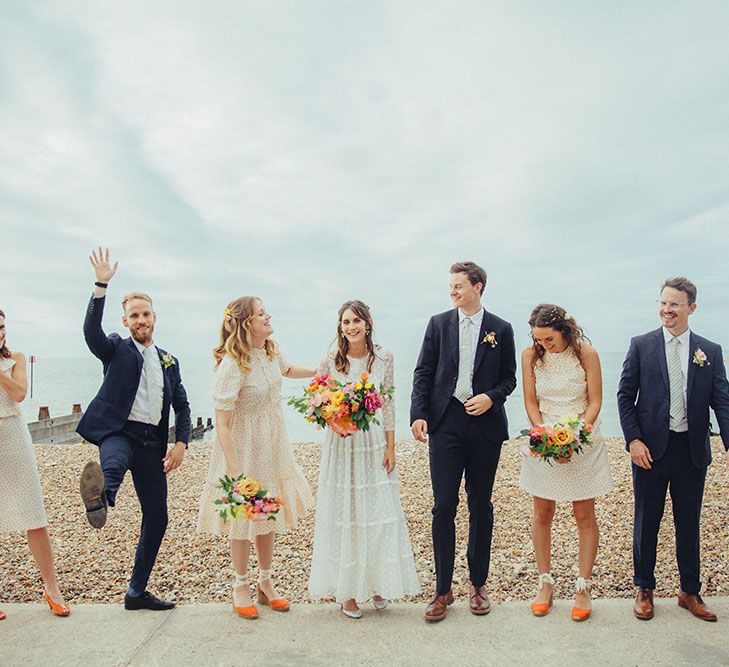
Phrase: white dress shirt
(140, 407)
(680, 426)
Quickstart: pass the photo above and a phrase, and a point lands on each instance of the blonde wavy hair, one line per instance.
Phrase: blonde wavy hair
(235, 333)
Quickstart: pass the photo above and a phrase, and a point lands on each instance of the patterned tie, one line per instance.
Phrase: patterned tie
(675, 381)
(154, 395)
(465, 362)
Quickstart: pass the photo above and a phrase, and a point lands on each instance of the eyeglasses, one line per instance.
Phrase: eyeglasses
(672, 304)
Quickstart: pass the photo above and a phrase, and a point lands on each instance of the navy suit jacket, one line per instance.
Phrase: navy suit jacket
(644, 395)
(109, 410)
(436, 373)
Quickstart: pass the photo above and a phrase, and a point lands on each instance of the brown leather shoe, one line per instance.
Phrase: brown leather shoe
(696, 606)
(438, 607)
(643, 605)
(478, 601)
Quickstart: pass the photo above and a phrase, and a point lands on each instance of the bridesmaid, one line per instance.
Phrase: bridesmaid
(561, 376)
(21, 499)
(251, 439)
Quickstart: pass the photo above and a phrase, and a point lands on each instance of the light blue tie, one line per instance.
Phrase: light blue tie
(465, 361)
(675, 381)
(154, 391)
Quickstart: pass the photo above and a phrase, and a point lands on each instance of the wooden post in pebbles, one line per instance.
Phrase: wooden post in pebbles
(76, 409)
(43, 413)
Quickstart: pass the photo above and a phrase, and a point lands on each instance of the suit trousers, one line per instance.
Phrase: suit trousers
(460, 445)
(137, 448)
(674, 471)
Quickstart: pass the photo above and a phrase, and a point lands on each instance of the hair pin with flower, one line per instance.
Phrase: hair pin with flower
(228, 314)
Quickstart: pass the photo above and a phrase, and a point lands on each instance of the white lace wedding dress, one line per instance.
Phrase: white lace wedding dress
(361, 543)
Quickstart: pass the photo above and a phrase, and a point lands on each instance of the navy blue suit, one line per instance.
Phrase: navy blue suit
(461, 443)
(680, 460)
(125, 445)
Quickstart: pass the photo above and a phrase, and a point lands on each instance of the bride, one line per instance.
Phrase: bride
(361, 544)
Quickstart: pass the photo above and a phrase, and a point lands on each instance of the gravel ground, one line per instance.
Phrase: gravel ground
(93, 566)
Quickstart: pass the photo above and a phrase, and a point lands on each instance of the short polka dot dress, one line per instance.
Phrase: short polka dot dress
(21, 500)
(562, 390)
(361, 542)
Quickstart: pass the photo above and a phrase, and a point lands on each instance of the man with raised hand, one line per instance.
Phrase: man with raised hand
(128, 420)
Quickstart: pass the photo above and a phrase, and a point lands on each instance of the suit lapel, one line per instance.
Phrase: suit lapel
(137, 357)
(453, 334)
(693, 344)
(480, 345)
(661, 353)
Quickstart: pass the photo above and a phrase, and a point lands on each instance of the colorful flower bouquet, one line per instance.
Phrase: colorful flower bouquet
(558, 441)
(243, 496)
(344, 408)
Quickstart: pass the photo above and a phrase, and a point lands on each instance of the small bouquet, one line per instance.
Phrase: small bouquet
(243, 496)
(344, 408)
(558, 441)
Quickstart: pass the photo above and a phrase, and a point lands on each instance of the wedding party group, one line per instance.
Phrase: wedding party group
(361, 551)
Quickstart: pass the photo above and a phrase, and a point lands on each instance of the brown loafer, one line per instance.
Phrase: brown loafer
(92, 493)
(696, 606)
(643, 605)
(479, 602)
(438, 607)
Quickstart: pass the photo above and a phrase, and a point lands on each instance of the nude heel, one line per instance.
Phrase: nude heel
(579, 615)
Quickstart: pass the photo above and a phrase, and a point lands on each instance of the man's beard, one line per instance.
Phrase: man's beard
(143, 336)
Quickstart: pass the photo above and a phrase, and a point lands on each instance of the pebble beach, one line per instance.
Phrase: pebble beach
(94, 566)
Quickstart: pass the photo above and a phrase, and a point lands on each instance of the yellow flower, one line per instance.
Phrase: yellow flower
(328, 411)
(564, 436)
(337, 398)
(368, 385)
(238, 511)
(248, 486)
(359, 386)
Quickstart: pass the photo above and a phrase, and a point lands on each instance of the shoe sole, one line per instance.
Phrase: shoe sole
(480, 612)
(643, 618)
(91, 487)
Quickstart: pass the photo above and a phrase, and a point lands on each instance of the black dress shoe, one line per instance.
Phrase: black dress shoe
(147, 601)
(92, 493)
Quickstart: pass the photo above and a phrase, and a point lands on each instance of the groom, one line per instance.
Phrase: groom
(128, 420)
(670, 379)
(464, 374)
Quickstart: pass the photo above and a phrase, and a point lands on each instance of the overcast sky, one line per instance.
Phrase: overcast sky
(311, 152)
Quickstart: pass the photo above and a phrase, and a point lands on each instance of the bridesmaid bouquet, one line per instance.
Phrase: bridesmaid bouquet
(559, 441)
(344, 408)
(243, 496)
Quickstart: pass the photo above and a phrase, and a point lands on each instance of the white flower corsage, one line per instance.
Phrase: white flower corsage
(167, 360)
(700, 358)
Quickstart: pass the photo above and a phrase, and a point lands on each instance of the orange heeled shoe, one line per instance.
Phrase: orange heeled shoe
(542, 608)
(56, 609)
(2, 615)
(277, 604)
(578, 614)
(249, 612)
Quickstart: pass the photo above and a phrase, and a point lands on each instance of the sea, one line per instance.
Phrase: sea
(58, 383)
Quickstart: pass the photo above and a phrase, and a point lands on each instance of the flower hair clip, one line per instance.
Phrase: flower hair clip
(228, 314)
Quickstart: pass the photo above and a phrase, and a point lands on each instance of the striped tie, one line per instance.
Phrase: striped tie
(154, 391)
(465, 362)
(675, 381)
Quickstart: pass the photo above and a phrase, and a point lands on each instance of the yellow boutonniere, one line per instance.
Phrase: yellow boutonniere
(490, 338)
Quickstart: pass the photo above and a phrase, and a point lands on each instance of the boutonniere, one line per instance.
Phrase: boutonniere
(700, 358)
(490, 338)
(167, 360)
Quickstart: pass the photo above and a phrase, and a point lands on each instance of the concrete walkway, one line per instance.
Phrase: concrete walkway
(210, 634)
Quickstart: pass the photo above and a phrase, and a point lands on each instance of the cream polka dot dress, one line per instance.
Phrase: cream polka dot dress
(361, 542)
(260, 446)
(562, 390)
(21, 500)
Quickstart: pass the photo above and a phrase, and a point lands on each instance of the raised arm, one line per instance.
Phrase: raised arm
(98, 342)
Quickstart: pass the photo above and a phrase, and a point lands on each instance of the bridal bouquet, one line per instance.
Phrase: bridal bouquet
(559, 441)
(344, 408)
(243, 496)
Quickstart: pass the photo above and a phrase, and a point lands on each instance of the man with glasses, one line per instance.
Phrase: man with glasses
(670, 379)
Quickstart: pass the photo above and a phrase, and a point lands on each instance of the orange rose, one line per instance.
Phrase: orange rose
(564, 436)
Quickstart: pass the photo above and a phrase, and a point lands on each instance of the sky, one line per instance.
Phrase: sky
(313, 152)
